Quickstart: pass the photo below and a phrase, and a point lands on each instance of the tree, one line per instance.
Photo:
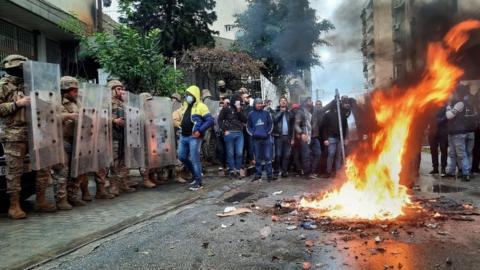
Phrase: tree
(283, 33)
(184, 23)
(131, 56)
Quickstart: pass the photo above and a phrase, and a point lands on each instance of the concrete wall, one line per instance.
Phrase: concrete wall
(84, 9)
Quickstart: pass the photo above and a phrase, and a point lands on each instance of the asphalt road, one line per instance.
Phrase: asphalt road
(193, 237)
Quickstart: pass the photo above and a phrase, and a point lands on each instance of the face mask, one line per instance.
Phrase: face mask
(189, 99)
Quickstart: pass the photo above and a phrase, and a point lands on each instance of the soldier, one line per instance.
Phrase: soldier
(148, 172)
(119, 182)
(224, 92)
(13, 103)
(70, 109)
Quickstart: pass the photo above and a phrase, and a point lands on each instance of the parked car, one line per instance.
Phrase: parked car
(28, 180)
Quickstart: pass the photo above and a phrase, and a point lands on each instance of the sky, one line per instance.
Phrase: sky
(342, 62)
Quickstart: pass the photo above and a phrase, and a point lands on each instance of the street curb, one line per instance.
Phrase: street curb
(76, 244)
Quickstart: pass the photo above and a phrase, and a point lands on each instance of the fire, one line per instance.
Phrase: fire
(373, 190)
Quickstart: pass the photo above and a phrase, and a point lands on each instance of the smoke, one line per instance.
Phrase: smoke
(348, 33)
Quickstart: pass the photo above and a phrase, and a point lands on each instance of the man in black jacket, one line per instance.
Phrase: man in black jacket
(438, 137)
(282, 133)
(331, 130)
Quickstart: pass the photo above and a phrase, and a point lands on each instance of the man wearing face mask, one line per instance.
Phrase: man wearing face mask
(195, 120)
(13, 103)
(119, 181)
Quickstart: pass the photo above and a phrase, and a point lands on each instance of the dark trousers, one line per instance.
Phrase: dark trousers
(435, 141)
(301, 156)
(263, 156)
(282, 154)
(221, 151)
(476, 152)
(316, 152)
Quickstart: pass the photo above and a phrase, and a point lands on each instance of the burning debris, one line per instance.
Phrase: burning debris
(374, 187)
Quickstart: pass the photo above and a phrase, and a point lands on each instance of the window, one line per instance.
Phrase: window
(15, 40)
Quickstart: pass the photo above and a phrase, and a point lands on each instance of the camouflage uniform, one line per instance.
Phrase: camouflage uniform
(119, 169)
(15, 138)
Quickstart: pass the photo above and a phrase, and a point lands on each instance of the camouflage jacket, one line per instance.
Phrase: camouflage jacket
(118, 111)
(69, 106)
(14, 123)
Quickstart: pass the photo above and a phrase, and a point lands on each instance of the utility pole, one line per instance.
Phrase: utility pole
(99, 16)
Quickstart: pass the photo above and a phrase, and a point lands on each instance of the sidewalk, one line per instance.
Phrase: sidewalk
(43, 235)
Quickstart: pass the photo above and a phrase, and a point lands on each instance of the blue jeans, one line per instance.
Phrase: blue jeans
(334, 153)
(263, 156)
(234, 143)
(282, 153)
(316, 151)
(457, 154)
(189, 155)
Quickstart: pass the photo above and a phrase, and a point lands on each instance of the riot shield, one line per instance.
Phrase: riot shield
(104, 144)
(134, 133)
(212, 105)
(159, 133)
(42, 84)
(83, 154)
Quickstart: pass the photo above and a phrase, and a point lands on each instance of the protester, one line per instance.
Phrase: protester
(259, 126)
(438, 138)
(231, 121)
(460, 134)
(302, 139)
(283, 134)
(195, 119)
(331, 130)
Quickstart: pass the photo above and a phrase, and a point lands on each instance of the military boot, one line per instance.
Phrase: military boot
(41, 202)
(147, 182)
(101, 194)
(114, 187)
(15, 211)
(73, 189)
(62, 204)
(85, 192)
(124, 186)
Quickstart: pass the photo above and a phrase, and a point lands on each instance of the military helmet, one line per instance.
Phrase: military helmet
(114, 83)
(13, 60)
(67, 82)
(176, 96)
(221, 83)
(146, 96)
(206, 93)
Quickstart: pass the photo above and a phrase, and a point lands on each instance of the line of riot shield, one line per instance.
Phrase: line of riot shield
(159, 132)
(104, 144)
(83, 154)
(42, 84)
(134, 133)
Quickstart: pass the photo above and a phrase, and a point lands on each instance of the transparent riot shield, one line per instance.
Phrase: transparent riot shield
(159, 133)
(104, 144)
(212, 105)
(134, 133)
(42, 84)
(83, 154)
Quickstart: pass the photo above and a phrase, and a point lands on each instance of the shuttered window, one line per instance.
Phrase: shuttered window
(16, 40)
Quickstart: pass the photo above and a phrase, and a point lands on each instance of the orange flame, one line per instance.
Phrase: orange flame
(373, 190)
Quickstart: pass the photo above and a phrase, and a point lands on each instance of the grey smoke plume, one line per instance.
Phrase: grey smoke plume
(348, 33)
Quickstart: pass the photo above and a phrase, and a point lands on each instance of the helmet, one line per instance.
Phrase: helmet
(146, 96)
(176, 96)
(13, 60)
(221, 83)
(67, 82)
(206, 93)
(114, 83)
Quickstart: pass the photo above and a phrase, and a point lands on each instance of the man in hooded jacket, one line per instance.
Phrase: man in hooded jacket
(193, 119)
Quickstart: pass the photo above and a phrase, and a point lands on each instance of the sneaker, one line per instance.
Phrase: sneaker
(434, 171)
(444, 171)
(196, 187)
(466, 178)
(220, 169)
(274, 177)
(311, 177)
(192, 183)
(447, 175)
(284, 174)
(256, 178)
(269, 179)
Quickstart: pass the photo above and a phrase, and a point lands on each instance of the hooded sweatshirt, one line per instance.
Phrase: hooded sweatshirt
(199, 116)
(259, 124)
